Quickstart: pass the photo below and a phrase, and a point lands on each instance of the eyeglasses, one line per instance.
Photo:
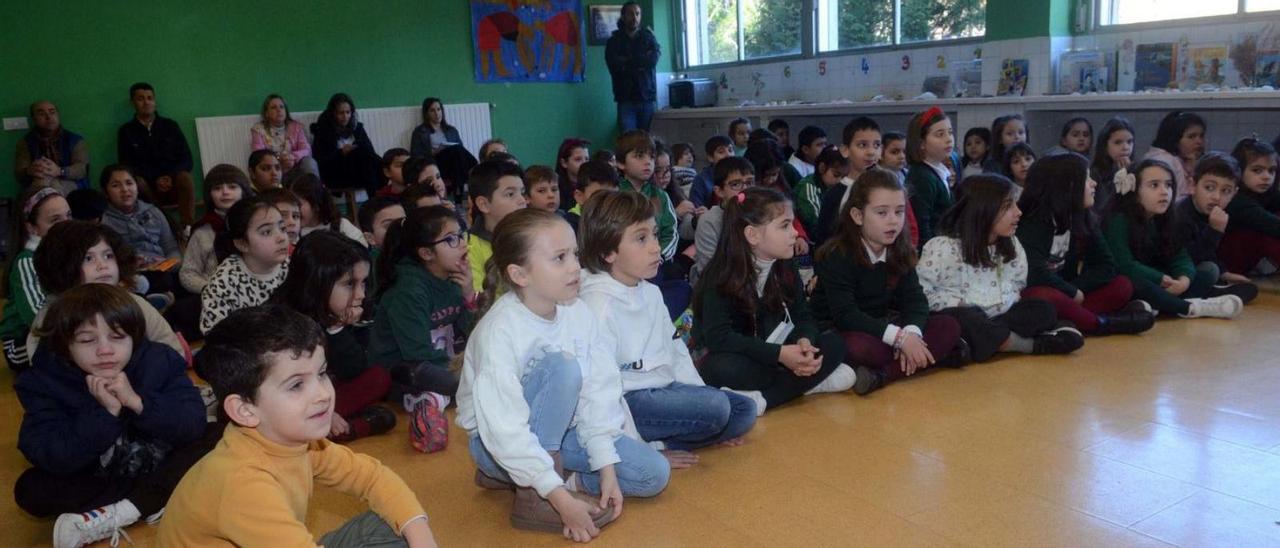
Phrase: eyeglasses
(453, 240)
(661, 171)
(737, 185)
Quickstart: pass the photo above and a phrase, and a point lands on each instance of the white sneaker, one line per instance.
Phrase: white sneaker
(1224, 306)
(755, 395)
(841, 379)
(108, 522)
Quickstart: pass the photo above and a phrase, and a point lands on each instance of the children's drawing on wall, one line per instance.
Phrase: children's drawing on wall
(527, 40)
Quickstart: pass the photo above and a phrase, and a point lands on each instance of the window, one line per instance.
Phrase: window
(1124, 12)
(724, 31)
(727, 31)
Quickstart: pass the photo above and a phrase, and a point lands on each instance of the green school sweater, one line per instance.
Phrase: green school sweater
(1074, 270)
(667, 236)
(421, 318)
(808, 197)
(24, 300)
(1117, 230)
(721, 327)
(852, 297)
(930, 198)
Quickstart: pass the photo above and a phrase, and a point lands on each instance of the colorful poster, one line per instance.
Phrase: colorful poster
(1084, 71)
(1013, 77)
(1207, 66)
(527, 40)
(1154, 65)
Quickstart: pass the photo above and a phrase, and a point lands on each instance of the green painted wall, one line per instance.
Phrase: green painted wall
(1011, 19)
(222, 58)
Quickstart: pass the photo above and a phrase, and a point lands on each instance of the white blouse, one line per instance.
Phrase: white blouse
(948, 281)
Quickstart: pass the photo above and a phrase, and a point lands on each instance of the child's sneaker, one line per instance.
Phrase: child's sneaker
(428, 428)
(1246, 291)
(1224, 306)
(1064, 339)
(108, 522)
(370, 421)
(160, 301)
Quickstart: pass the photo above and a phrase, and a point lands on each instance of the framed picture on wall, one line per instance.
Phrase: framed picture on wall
(601, 22)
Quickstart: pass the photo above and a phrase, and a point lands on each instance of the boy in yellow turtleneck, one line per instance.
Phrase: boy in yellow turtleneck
(267, 367)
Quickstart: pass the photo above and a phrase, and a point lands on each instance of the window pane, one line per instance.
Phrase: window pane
(1121, 12)
(942, 19)
(1262, 5)
(770, 27)
(844, 24)
(711, 34)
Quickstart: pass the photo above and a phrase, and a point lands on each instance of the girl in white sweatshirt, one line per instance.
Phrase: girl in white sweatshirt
(539, 394)
(668, 401)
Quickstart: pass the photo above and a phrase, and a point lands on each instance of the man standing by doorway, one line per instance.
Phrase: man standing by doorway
(632, 55)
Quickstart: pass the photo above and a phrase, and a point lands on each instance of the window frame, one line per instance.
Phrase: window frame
(1240, 16)
(808, 39)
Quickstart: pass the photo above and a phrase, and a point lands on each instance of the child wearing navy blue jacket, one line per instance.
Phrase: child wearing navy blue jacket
(110, 422)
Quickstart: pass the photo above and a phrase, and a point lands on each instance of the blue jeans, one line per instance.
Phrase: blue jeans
(635, 115)
(551, 388)
(687, 417)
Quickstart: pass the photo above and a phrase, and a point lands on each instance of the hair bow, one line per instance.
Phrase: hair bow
(742, 197)
(930, 115)
(1125, 182)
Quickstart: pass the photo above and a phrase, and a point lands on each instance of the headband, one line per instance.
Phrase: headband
(36, 198)
(929, 116)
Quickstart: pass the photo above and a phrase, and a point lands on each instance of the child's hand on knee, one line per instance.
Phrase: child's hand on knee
(610, 492)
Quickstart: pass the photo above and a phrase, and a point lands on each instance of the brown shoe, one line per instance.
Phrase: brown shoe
(532, 512)
(485, 481)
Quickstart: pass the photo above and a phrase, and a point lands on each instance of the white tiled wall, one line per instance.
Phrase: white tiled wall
(845, 80)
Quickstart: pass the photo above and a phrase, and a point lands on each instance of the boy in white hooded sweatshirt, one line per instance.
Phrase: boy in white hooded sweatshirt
(667, 399)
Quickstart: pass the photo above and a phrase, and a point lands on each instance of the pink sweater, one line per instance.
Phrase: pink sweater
(295, 139)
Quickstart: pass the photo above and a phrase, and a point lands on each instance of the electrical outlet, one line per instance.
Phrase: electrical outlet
(13, 124)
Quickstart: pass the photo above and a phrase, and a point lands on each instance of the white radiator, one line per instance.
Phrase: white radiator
(225, 139)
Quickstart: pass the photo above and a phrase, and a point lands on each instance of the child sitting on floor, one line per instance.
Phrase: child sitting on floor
(267, 368)
(326, 281)
(668, 401)
(110, 421)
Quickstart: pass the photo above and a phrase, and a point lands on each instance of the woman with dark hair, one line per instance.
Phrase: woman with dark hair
(343, 150)
(1180, 141)
(434, 134)
(285, 137)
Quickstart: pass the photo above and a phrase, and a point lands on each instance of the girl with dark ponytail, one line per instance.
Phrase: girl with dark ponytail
(424, 313)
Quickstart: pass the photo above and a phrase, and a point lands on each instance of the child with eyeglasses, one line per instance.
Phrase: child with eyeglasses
(425, 311)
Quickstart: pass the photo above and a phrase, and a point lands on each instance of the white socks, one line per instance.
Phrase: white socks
(755, 396)
(841, 379)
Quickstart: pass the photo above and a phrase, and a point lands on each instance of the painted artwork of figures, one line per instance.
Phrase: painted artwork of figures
(527, 40)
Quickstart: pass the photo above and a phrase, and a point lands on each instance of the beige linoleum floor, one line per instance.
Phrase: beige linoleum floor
(1170, 438)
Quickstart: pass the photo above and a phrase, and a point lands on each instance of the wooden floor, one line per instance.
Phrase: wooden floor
(1170, 438)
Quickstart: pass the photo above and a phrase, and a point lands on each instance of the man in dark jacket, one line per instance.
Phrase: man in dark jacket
(156, 149)
(49, 155)
(632, 53)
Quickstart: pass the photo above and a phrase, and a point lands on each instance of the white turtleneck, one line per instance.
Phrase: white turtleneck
(763, 268)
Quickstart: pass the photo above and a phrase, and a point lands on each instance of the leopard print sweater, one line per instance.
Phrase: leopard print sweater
(233, 287)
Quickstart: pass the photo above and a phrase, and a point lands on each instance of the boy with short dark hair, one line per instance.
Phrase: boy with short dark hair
(496, 188)
(668, 401)
(542, 186)
(732, 176)
(740, 134)
(593, 176)
(804, 161)
(861, 145)
(392, 164)
(718, 147)
(636, 155)
(267, 368)
(1202, 220)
